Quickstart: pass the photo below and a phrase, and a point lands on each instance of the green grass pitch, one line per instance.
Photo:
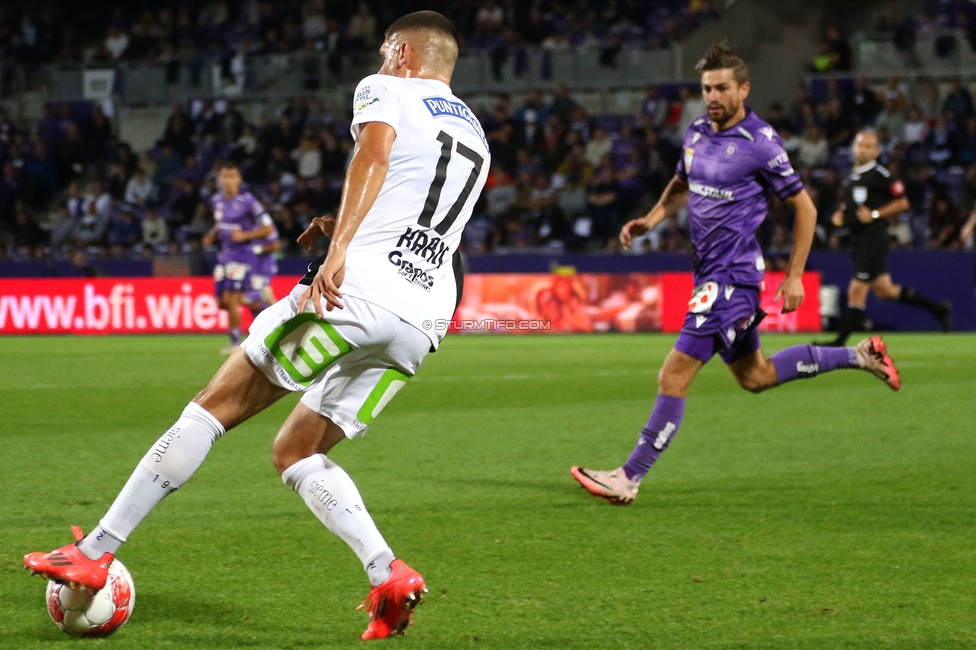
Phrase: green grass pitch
(829, 513)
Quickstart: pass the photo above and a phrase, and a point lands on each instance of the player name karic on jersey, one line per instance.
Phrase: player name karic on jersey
(710, 192)
(430, 249)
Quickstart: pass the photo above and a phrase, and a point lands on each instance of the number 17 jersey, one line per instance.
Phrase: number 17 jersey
(401, 256)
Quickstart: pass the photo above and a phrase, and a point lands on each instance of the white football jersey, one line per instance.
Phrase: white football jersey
(401, 256)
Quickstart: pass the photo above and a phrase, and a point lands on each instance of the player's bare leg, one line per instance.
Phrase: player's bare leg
(620, 486)
(300, 456)
(237, 392)
(231, 301)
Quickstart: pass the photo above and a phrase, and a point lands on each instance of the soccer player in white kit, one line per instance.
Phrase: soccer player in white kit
(353, 333)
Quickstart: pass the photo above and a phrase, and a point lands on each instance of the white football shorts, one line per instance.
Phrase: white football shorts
(349, 365)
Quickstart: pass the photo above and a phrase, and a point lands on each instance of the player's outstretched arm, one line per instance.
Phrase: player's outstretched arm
(791, 290)
(364, 179)
(674, 197)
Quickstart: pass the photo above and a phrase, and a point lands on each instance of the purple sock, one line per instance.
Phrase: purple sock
(656, 436)
(235, 335)
(805, 361)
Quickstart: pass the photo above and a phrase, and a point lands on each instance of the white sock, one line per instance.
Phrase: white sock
(332, 496)
(168, 464)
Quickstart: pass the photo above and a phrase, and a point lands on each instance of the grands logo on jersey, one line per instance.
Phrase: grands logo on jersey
(440, 107)
(430, 249)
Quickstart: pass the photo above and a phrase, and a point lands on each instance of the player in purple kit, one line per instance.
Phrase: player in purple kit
(732, 163)
(239, 222)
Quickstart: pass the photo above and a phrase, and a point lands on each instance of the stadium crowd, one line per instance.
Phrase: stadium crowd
(190, 33)
(560, 178)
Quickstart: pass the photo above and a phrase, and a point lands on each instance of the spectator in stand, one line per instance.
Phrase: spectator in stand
(942, 141)
(929, 102)
(97, 201)
(959, 102)
(308, 156)
(836, 125)
(862, 104)
(916, 128)
(28, 236)
(893, 119)
(603, 201)
(654, 107)
(562, 103)
(945, 222)
(598, 147)
(116, 42)
(362, 28)
(126, 231)
(965, 153)
(61, 224)
(154, 229)
(89, 229)
(140, 189)
(839, 49)
(893, 93)
(814, 149)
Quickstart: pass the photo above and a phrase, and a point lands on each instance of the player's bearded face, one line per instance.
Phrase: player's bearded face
(723, 95)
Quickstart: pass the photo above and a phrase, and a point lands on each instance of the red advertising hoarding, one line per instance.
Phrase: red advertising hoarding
(507, 303)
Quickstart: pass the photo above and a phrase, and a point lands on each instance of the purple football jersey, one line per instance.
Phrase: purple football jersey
(731, 177)
(265, 264)
(242, 212)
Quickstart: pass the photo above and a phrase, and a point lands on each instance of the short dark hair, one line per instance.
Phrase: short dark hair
(721, 56)
(429, 20)
(228, 164)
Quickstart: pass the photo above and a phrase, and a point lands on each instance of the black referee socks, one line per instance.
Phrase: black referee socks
(911, 297)
(852, 321)
(940, 310)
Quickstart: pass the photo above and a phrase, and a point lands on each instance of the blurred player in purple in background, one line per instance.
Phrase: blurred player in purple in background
(731, 165)
(260, 295)
(240, 221)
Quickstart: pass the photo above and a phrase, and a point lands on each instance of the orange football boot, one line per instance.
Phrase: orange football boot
(391, 604)
(613, 486)
(70, 566)
(872, 355)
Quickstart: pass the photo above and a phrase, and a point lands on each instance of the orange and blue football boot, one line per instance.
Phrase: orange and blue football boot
(391, 604)
(70, 566)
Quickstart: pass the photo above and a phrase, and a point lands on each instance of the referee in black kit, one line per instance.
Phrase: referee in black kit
(872, 197)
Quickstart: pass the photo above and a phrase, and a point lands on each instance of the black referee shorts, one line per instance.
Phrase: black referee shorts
(870, 256)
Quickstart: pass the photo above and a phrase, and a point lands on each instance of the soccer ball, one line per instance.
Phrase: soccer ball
(89, 613)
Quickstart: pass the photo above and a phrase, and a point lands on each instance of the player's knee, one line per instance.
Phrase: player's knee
(669, 383)
(757, 380)
(752, 384)
(284, 454)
